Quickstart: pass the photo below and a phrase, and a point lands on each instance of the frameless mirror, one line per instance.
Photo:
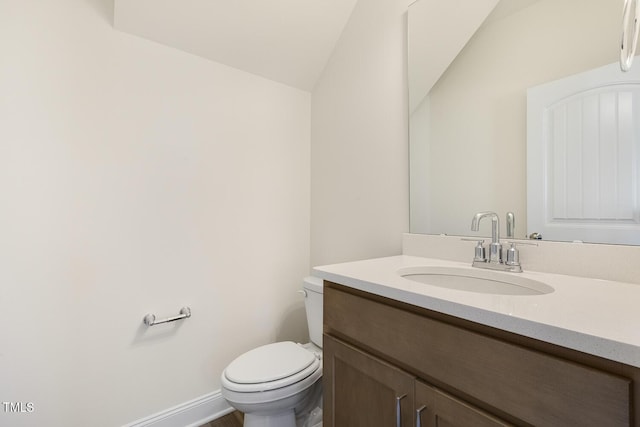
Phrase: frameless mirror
(468, 135)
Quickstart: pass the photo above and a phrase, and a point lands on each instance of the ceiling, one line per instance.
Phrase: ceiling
(508, 7)
(288, 41)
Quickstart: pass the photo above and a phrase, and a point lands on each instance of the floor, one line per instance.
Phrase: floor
(233, 419)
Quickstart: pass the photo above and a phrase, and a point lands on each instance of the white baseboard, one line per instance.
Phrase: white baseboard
(193, 413)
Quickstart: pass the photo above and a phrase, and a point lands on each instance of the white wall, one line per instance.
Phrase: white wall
(477, 140)
(138, 179)
(359, 169)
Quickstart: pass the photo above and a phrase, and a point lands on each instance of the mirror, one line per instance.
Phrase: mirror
(468, 136)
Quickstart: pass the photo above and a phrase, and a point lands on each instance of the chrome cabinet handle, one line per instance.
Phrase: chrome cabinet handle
(419, 415)
(398, 410)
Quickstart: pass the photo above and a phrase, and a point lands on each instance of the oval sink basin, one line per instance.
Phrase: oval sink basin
(475, 280)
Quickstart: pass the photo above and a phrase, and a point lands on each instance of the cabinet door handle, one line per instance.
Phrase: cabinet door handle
(399, 410)
(419, 415)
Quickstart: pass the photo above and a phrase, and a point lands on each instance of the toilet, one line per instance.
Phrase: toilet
(280, 384)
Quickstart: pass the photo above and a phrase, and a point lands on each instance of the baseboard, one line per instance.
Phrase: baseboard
(193, 413)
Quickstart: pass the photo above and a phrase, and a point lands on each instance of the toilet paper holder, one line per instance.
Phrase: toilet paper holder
(150, 319)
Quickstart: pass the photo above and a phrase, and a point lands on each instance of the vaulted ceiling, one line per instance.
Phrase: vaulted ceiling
(288, 41)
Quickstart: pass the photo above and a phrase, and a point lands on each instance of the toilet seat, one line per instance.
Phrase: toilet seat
(270, 367)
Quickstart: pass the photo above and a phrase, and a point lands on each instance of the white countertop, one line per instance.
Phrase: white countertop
(595, 316)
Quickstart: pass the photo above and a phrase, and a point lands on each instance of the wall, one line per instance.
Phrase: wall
(359, 149)
(138, 179)
(477, 141)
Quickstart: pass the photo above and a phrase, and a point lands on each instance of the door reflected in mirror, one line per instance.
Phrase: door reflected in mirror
(583, 156)
(468, 136)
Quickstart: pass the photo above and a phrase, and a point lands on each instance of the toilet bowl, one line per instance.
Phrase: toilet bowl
(279, 384)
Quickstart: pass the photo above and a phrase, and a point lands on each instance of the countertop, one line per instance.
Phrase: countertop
(595, 316)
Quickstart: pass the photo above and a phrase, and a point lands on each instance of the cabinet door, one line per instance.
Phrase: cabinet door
(434, 408)
(362, 391)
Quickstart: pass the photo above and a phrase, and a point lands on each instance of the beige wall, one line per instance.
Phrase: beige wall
(138, 179)
(359, 158)
(476, 154)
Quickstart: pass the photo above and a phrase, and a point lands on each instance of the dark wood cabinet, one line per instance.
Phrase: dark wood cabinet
(464, 374)
(368, 392)
(435, 408)
(365, 391)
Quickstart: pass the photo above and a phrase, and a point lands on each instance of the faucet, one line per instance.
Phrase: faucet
(495, 261)
(511, 225)
(495, 249)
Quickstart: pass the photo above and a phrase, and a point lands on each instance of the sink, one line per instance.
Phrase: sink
(475, 280)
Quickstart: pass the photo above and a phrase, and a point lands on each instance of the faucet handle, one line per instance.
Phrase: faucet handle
(513, 255)
(480, 253)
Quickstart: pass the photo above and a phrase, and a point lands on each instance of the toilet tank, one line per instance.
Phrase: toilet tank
(313, 304)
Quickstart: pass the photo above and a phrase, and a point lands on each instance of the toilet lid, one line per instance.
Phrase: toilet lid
(270, 362)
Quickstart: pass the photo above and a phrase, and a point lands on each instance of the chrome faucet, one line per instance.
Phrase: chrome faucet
(511, 225)
(495, 261)
(495, 249)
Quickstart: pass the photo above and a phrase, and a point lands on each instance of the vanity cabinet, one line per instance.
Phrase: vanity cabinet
(365, 390)
(385, 360)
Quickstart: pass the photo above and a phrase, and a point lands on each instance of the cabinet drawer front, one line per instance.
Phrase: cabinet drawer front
(534, 387)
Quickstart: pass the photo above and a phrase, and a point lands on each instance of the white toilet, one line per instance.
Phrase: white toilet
(280, 384)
